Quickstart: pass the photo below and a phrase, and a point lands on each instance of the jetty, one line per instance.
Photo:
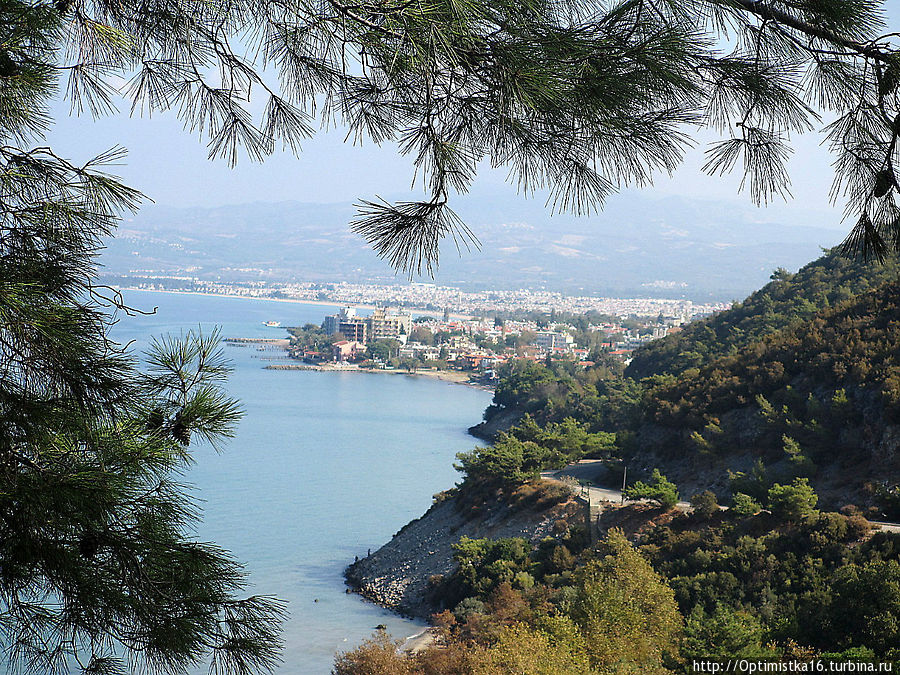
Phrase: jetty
(262, 341)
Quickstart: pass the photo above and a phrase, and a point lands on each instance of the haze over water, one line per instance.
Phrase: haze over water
(324, 466)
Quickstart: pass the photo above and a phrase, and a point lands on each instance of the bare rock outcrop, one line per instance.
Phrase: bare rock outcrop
(498, 422)
(397, 575)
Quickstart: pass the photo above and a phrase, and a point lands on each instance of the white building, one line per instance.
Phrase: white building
(549, 340)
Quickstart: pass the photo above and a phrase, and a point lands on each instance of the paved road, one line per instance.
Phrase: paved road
(586, 471)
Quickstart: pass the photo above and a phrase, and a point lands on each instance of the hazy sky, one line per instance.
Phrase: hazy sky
(171, 167)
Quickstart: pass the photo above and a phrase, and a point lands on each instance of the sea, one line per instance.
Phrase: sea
(324, 466)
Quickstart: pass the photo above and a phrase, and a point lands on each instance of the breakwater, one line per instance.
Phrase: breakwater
(281, 342)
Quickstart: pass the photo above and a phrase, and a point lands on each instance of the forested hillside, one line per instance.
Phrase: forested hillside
(820, 399)
(787, 407)
(785, 301)
(800, 380)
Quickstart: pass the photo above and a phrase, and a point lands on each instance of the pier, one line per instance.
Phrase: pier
(261, 341)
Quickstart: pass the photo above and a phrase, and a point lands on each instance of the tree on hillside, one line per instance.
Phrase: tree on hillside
(867, 602)
(660, 489)
(705, 504)
(626, 612)
(793, 502)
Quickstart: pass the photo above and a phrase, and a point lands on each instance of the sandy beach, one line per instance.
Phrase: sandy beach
(419, 642)
(453, 376)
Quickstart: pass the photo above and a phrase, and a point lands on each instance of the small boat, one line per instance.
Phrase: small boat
(271, 324)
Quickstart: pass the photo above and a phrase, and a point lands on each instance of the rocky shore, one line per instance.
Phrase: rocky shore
(397, 575)
(499, 422)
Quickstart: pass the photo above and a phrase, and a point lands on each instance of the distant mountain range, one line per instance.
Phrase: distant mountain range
(638, 246)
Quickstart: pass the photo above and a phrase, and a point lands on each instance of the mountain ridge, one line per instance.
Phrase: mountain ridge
(669, 247)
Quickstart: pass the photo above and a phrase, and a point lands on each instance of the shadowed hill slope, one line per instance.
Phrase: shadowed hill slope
(787, 300)
(819, 399)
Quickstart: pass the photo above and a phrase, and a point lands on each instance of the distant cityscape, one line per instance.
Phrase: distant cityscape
(433, 298)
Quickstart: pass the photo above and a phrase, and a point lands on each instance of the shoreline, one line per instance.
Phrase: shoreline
(420, 641)
(316, 303)
(451, 376)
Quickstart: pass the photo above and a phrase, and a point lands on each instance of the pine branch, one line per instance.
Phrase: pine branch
(769, 12)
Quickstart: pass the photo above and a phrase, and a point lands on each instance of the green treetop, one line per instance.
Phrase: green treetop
(660, 489)
(794, 501)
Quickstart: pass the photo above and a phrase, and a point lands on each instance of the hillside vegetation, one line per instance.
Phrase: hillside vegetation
(819, 399)
(800, 380)
(787, 300)
(785, 409)
(651, 599)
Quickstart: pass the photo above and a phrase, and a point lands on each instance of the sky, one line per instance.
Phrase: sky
(170, 166)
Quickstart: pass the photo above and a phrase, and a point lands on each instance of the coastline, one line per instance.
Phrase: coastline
(419, 641)
(315, 303)
(398, 575)
(451, 376)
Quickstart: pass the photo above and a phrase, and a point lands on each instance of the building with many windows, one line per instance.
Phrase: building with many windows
(548, 340)
(354, 328)
(389, 323)
(383, 324)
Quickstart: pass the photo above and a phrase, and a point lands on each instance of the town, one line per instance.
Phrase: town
(428, 297)
(390, 338)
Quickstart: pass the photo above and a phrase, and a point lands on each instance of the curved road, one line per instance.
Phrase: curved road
(586, 470)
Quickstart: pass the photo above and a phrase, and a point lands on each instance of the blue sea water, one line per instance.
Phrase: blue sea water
(324, 467)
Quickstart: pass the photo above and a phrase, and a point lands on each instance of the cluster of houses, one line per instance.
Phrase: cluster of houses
(459, 342)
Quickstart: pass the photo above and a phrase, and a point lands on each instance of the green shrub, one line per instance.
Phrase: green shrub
(830, 526)
(857, 526)
(484, 564)
(724, 633)
(801, 465)
(467, 608)
(866, 606)
(508, 462)
(523, 580)
(793, 502)
(562, 560)
(755, 484)
(744, 505)
(888, 499)
(660, 489)
(705, 504)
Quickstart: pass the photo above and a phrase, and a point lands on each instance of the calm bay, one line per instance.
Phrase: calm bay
(324, 466)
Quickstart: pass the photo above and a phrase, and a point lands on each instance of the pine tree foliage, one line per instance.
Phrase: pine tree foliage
(579, 98)
(99, 571)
